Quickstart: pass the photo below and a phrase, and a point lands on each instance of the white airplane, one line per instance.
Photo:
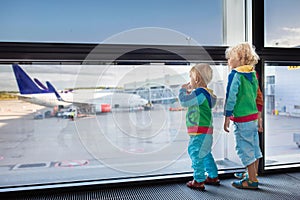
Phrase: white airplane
(35, 92)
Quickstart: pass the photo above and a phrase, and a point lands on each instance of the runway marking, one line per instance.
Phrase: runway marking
(72, 163)
(134, 150)
(31, 165)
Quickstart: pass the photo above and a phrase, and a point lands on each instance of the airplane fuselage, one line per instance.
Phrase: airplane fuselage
(47, 99)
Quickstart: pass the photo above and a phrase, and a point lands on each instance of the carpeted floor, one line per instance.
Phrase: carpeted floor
(272, 187)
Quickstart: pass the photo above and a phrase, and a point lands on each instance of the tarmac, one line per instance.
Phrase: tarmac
(114, 145)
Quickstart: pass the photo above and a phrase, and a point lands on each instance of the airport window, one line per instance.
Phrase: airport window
(282, 131)
(116, 115)
(125, 121)
(97, 21)
(282, 30)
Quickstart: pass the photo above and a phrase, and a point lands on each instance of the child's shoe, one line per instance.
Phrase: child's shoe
(196, 185)
(212, 181)
(250, 184)
(241, 175)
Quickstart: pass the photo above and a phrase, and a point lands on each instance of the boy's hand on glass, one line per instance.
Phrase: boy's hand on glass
(226, 124)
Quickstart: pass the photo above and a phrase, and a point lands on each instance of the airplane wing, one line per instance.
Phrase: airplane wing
(59, 98)
(84, 106)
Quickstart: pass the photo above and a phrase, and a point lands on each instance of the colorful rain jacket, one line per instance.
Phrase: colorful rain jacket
(199, 118)
(243, 96)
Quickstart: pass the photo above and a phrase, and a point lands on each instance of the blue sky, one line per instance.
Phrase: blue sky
(282, 24)
(94, 20)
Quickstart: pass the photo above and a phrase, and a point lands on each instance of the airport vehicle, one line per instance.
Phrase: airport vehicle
(38, 115)
(35, 92)
(70, 112)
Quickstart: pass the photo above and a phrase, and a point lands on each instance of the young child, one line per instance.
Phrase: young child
(199, 99)
(243, 106)
(259, 102)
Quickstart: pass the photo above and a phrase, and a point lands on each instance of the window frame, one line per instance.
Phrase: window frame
(11, 52)
(267, 55)
(28, 53)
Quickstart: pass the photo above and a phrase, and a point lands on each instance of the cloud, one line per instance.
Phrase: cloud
(285, 42)
(291, 30)
(290, 37)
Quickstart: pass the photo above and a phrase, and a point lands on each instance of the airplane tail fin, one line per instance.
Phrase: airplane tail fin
(52, 89)
(26, 84)
(37, 81)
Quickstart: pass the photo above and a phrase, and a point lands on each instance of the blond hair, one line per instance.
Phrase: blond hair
(244, 52)
(203, 72)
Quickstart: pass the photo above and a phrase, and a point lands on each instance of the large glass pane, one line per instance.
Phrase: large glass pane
(96, 21)
(282, 112)
(125, 121)
(282, 25)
